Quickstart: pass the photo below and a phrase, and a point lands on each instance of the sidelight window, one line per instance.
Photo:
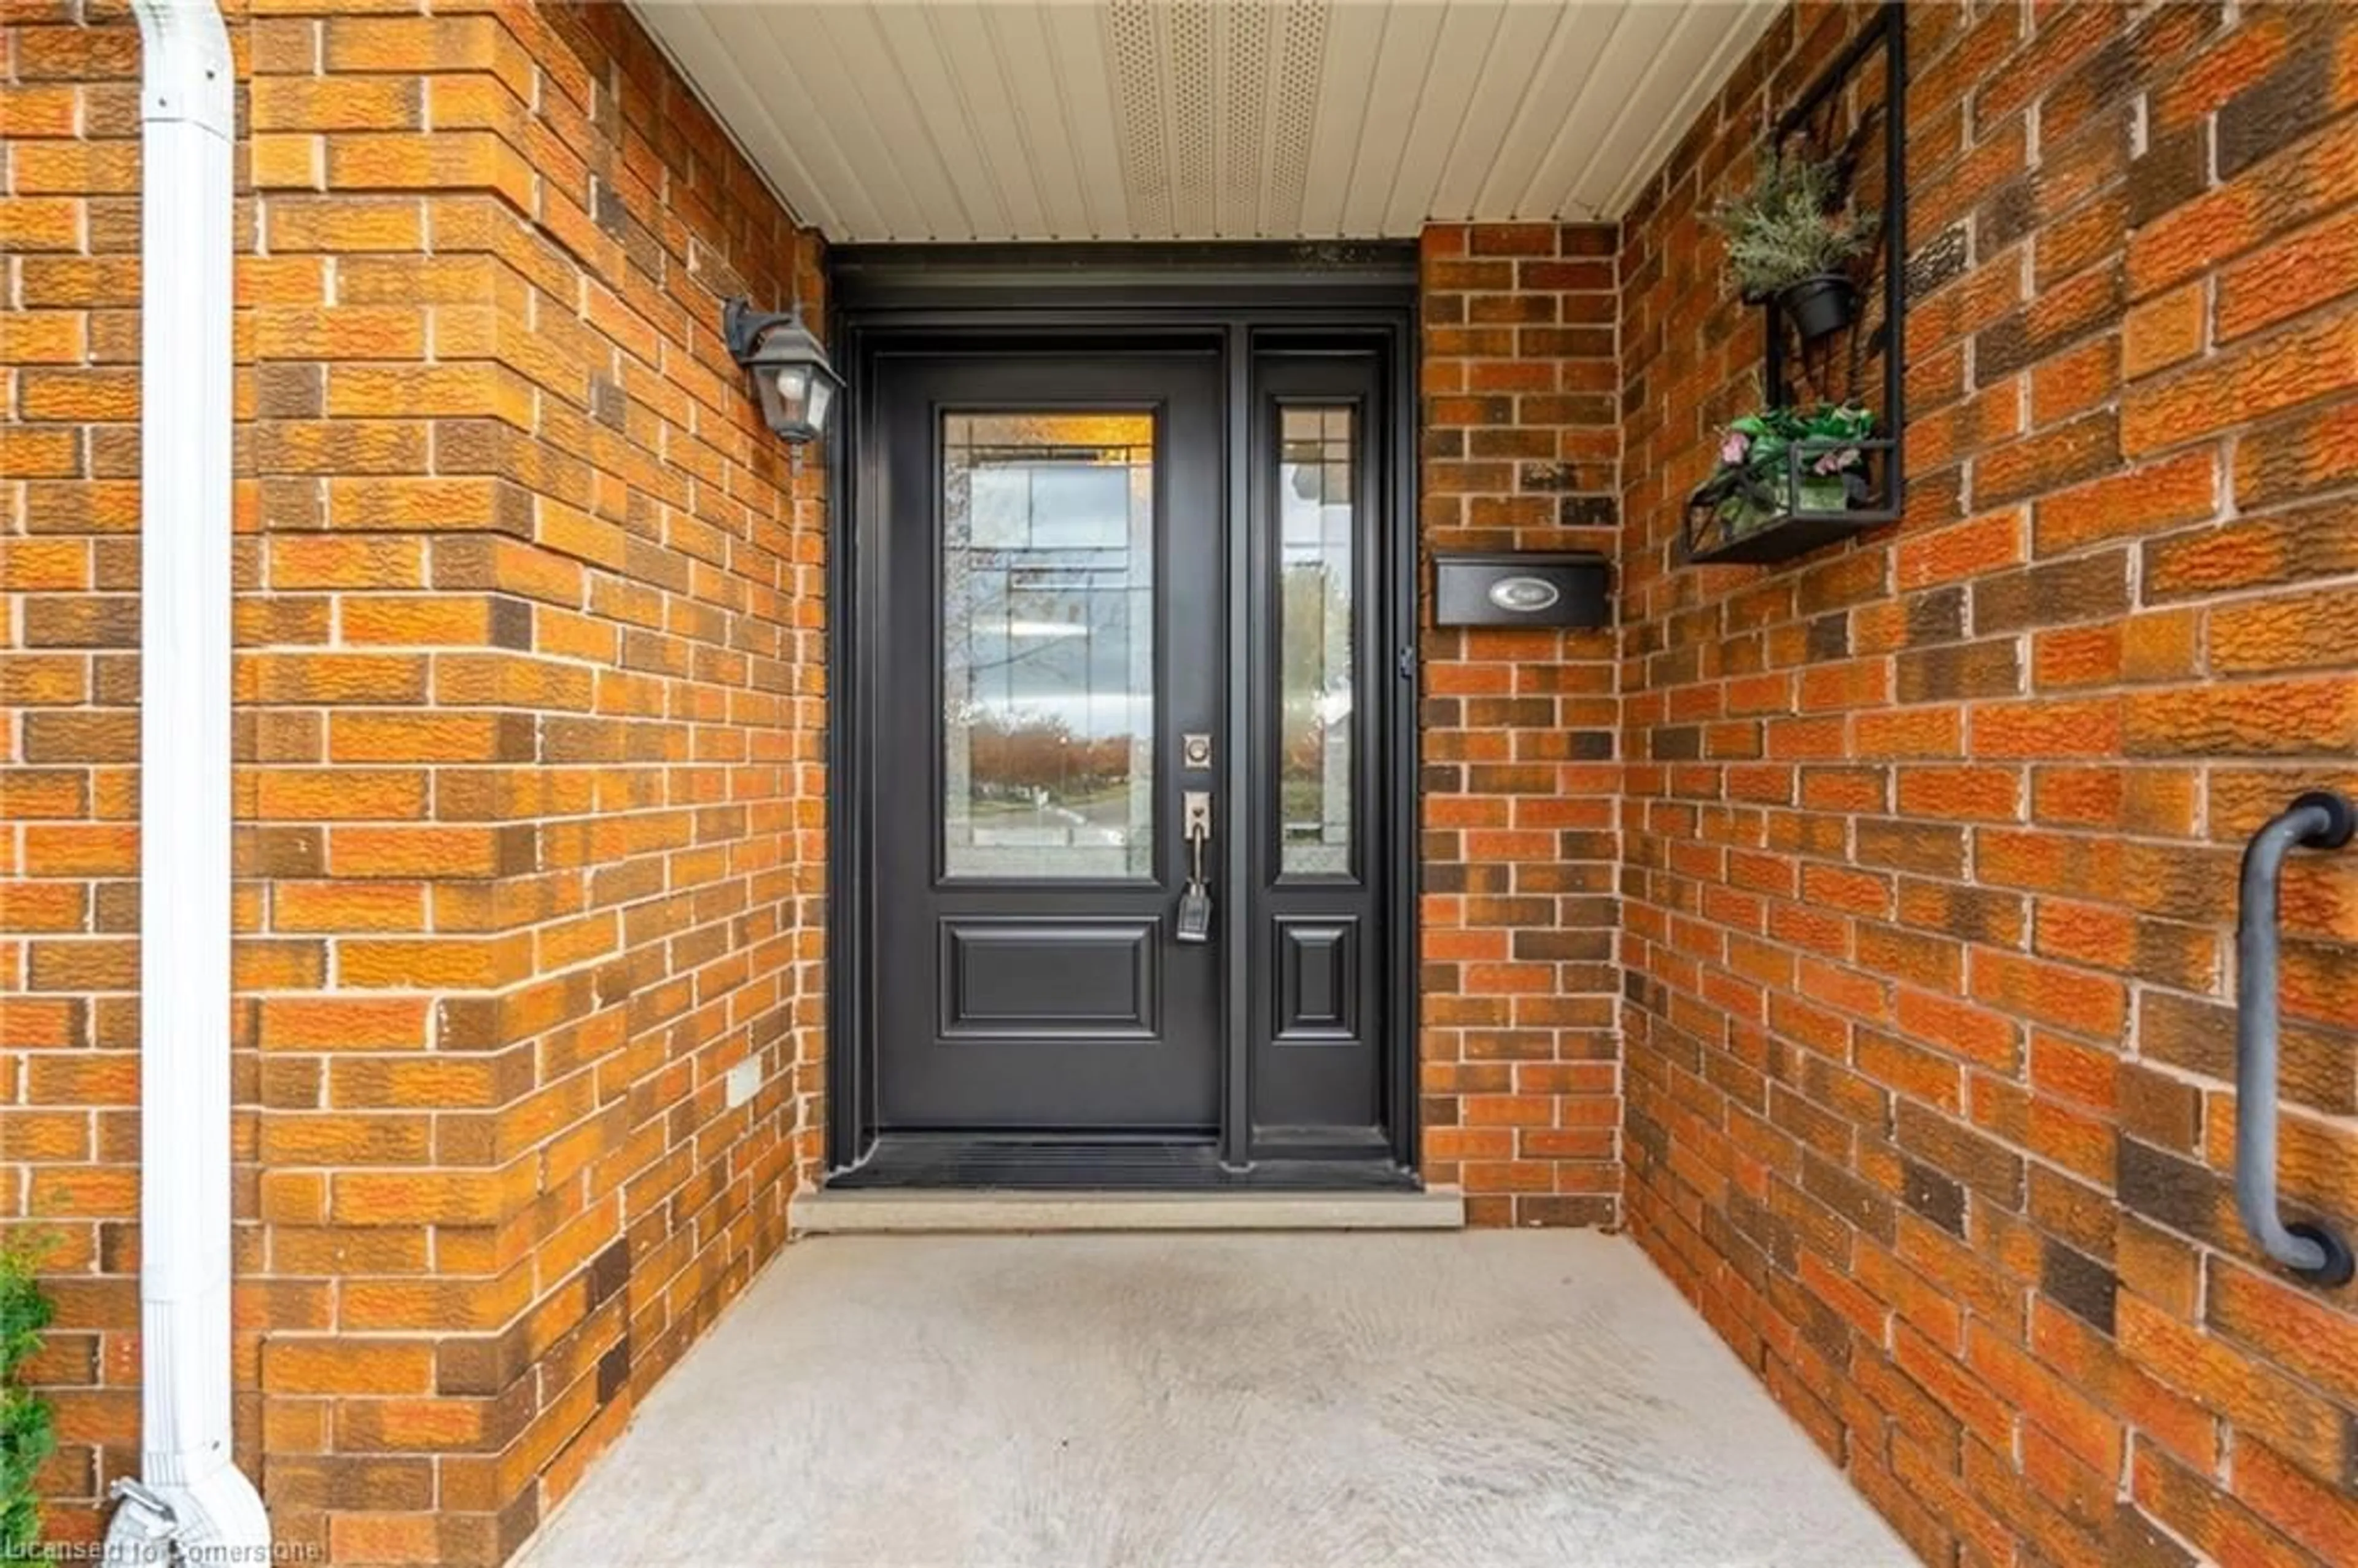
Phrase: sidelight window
(1315, 520)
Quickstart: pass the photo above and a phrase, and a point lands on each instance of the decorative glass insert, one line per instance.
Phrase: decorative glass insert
(1048, 645)
(1315, 523)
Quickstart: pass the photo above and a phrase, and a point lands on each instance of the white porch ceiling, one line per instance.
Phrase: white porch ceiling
(1202, 119)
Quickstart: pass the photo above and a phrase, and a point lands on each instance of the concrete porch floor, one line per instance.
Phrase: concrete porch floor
(1478, 1398)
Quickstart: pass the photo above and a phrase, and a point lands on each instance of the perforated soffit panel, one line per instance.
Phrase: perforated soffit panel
(1202, 119)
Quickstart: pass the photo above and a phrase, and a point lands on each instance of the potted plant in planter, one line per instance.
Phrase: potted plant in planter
(1790, 237)
(1782, 461)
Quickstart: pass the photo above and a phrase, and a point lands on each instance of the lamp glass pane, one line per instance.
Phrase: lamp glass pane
(793, 383)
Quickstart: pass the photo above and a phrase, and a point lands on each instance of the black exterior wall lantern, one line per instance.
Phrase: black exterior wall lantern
(790, 369)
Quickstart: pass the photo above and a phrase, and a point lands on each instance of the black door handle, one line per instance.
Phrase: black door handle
(2320, 821)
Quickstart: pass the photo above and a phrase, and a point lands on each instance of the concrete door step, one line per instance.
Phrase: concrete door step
(909, 1211)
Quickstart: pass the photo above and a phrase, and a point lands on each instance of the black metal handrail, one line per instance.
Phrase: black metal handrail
(2320, 821)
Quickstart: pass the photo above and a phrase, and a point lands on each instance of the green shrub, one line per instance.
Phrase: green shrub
(26, 1435)
(1796, 222)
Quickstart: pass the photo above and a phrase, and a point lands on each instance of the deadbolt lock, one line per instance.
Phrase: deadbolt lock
(1196, 750)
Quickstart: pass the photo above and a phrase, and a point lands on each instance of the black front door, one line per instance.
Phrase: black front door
(1054, 622)
(1121, 664)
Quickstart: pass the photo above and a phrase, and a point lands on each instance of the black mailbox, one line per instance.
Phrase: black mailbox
(1520, 591)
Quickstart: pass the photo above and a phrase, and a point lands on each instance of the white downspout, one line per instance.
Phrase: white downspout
(190, 1492)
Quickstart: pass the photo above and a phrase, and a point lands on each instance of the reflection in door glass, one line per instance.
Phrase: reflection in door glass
(1314, 528)
(1048, 645)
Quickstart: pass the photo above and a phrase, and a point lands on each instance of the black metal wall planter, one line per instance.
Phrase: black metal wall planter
(1824, 459)
(2320, 821)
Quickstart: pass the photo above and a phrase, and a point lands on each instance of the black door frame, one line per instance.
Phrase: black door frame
(929, 298)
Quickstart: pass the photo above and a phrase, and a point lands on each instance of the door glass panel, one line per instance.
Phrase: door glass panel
(1048, 645)
(1314, 528)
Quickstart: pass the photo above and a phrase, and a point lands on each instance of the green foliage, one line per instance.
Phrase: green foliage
(26, 1435)
(1782, 460)
(1796, 222)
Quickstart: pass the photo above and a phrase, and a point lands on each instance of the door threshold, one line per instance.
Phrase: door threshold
(1050, 1164)
(914, 1211)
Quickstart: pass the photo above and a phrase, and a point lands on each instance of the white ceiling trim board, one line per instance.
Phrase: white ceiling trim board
(1574, 70)
(938, 95)
(1085, 98)
(698, 54)
(838, 189)
(1625, 68)
(1027, 61)
(1300, 82)
(1415, 191)
(1246, 145)
(1521, 50)
(1733, 45)
(949, 119)
(994, 116)
(1404, 77)
(1189, 36)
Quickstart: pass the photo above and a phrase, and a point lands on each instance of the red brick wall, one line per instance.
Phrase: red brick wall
(1920, 860)
(1521, 1075)
(69, 726)
(530, 715)
(1931, 839)
(69, 686)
